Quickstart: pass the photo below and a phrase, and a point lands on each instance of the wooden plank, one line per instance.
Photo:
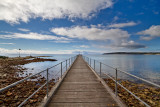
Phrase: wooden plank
(82, 105)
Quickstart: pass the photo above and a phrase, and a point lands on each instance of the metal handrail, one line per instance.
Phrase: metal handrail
(88, 60)
(130, 74)
(127, 90)
(18, 82)
(71, 61)
(32, 94)
(141, 79)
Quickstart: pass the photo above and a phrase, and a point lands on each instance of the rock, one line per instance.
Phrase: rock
(32, 101)
(16, 97)
(1, 101)
(9, 93)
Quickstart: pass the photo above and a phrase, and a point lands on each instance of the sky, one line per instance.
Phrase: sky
(73, 26)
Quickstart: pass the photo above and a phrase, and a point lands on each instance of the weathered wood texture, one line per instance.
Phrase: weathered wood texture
(81, 88)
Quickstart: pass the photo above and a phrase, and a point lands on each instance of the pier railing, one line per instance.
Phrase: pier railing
(64, 66)
(114, 74)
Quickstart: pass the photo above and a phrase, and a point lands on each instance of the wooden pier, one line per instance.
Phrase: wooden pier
(82, 88)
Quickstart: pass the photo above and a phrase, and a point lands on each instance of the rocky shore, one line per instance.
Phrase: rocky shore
(9, 68)
(149, 94)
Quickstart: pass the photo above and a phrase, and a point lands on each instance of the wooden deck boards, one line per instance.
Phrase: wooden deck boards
(81, 88)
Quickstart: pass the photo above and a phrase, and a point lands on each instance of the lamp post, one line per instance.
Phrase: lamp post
(19, 52)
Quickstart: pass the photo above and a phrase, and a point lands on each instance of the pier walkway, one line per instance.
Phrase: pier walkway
(81, 88)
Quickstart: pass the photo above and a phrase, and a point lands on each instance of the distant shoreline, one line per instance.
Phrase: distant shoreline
(134, 53)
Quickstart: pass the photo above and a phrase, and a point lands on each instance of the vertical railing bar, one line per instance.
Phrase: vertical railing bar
(94, 65)
(69, 61)
(47, 82)
(61, 69)
(91, 62)
(116, 83)
(66, 65)
(100, 68)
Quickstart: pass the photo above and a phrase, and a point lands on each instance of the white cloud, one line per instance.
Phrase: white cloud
(124, 45)
(23, 10)
(121, 25)
(131, 45)
(153, 32)
(93, 33)
(81, 46)
(115, 18)
(117, 37)
(62, 41)
(24, 30)
(7, 43)
(31, 35)
(84, 46)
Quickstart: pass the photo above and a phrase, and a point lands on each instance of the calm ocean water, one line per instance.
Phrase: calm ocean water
(144, 66)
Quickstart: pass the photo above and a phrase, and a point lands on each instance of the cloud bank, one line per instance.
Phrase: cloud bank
(93, 33)
(23, 10)
(152, 32)
(31, 35)
(117, 37)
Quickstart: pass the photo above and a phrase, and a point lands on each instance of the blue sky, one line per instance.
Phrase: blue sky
(70, 26)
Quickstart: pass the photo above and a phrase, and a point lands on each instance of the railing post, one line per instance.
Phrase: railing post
(69, 61)
(66, 65)
(61, 69)
(90, 61)
(47, 82)
(87, 59)
(116, 83)
(100, 69)
(94, 64)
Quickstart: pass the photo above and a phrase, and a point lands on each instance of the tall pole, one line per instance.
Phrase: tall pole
(19, 52)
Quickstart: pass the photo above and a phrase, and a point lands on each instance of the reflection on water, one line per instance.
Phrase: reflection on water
(36, 67)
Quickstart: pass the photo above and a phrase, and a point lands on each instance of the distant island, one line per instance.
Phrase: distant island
(134, 53)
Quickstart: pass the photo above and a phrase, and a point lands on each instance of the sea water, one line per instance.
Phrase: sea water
(144, 66)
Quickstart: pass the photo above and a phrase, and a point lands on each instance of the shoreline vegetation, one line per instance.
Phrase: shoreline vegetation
(133, 53)
(147, 93)
(10, 67)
